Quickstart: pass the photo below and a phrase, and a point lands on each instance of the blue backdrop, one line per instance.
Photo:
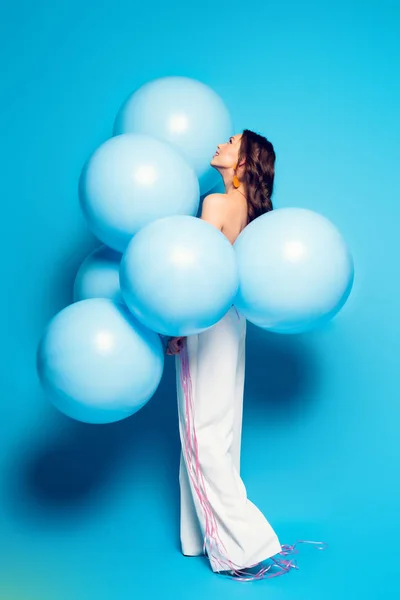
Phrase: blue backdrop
(91, 512)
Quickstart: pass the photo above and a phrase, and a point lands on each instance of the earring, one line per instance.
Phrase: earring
(235, 181)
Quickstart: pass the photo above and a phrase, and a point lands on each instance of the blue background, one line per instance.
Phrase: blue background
(92, 512)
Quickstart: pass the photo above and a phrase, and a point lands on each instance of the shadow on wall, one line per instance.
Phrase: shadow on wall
(67, 467)
(282, 373)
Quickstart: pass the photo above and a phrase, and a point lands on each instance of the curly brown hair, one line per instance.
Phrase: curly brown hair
(259, 172)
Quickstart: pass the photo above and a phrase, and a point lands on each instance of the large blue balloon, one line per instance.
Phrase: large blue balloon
(98, 363)
(98, 276)
(295, 270)
(179, 276)
(183, 112)
(129, 181)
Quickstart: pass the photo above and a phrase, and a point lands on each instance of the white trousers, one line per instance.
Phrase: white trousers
(216, 517)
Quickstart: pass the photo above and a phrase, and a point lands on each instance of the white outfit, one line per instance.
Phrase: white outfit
(217, 518)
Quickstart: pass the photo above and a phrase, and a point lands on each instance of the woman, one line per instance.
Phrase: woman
(217, 518)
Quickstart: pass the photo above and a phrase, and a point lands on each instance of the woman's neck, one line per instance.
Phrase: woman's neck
(230, 189)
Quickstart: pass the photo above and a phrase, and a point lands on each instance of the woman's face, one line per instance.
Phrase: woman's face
(227, 153)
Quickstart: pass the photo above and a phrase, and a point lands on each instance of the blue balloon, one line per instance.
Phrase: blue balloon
(295, 270)
(98, 363)
(179, 275)
(129, 181)
(98, 276)
(183, 112)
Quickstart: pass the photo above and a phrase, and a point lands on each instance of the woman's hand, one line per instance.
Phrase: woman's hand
(175, 345)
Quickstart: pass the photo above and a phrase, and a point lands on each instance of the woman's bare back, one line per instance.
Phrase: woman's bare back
(236, 216)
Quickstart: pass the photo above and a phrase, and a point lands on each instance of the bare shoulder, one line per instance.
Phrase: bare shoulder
(215, 201)
(214, 209)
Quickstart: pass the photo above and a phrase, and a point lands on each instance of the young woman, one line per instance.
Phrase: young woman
(217, 518)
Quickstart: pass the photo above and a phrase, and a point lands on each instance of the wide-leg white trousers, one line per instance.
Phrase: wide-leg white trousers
(217, 518)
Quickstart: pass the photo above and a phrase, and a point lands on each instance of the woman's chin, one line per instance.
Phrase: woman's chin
(214, 163)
